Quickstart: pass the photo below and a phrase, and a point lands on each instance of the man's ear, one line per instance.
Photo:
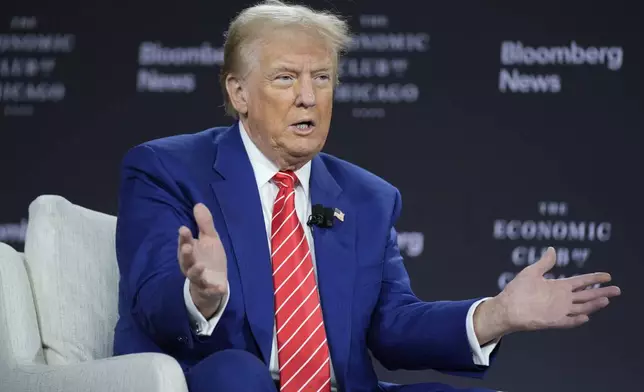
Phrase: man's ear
(237, 94)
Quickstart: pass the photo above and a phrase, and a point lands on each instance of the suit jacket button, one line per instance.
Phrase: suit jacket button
(182, 339)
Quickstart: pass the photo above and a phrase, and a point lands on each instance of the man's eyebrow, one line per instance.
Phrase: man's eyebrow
(283, 68)
(323, 68)
(287, 68)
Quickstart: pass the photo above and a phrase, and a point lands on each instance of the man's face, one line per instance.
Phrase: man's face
(289, 97)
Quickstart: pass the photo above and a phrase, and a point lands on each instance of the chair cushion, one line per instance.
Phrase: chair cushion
(72, 262)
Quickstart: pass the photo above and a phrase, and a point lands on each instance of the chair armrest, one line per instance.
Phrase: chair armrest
(22, 365)
(148, 372)
(20, 341)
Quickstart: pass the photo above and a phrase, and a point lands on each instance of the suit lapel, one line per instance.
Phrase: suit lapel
(335, 261)
(238, 196)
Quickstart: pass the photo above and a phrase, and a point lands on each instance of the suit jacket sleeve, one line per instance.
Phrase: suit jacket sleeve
(407, 333)
(151, 210)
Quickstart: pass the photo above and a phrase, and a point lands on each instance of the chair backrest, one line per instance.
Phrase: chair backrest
(72, 263)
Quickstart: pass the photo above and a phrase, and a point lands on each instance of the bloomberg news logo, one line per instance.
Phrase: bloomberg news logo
(171, 69)
(518, 54)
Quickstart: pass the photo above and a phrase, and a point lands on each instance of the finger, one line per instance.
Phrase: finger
(583, 281)
(204, 220)
(575, 321)
(195, 275)
(589, 295)
(185, 236)
(590, 306)
(186, 257)
(184, 248)
(546, 262)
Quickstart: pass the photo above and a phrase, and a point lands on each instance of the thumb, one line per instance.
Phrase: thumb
(546, 262)
(204, 220)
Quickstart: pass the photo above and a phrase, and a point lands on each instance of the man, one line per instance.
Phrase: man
(220, 269)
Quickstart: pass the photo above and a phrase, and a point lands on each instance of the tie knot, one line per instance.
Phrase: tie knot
(285, 179)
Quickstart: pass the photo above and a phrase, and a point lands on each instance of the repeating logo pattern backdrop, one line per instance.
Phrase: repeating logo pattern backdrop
(508, 128)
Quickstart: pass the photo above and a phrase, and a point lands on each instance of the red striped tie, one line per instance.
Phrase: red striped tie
(303, 352)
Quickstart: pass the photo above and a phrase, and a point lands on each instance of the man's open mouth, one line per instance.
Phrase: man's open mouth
(304, 125)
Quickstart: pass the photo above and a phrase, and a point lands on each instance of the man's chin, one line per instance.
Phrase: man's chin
(302, 154)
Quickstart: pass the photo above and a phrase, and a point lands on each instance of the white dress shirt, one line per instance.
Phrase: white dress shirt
(264, 171)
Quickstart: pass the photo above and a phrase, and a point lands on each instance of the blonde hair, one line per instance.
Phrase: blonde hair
(248, 27)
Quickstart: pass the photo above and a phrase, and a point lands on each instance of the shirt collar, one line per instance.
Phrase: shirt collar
(265, 169)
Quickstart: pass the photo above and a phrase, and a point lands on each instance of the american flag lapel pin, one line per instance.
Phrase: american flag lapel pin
(338, 214)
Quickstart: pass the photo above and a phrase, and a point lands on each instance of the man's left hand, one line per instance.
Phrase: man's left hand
(531, 302)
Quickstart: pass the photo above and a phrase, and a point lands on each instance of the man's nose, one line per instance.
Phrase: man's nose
(306, 96)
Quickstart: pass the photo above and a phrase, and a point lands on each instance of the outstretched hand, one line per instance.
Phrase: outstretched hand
(203, 261)
(531, 302)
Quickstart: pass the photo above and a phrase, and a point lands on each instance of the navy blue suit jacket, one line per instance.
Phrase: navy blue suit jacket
(366, 298)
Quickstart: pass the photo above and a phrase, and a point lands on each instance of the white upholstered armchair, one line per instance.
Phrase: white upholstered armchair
(58, 308)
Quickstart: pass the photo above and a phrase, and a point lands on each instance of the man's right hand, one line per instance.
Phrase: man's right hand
(203, 262)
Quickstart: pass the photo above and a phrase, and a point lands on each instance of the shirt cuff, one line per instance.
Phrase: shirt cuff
(201, 326)
(480, 355)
